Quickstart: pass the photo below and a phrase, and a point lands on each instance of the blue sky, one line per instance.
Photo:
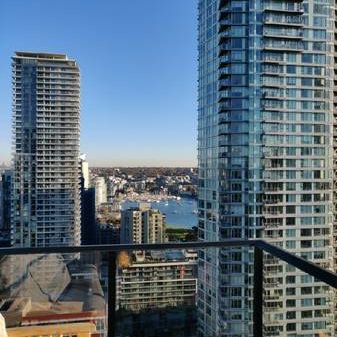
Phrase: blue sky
(138, 62)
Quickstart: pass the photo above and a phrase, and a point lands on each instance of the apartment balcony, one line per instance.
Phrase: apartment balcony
(223, 84)
(290, 8)
(282, 44)
(289, 34)
(269, 58)
(282, 20)
(105, 291)
(224, 24)
(272, 70)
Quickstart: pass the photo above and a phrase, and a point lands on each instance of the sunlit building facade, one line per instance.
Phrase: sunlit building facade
(46, 132)
(157, 280)
(266, 100)
(100, 191)
(142, 224)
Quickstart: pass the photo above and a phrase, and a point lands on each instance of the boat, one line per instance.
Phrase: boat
(178, 198)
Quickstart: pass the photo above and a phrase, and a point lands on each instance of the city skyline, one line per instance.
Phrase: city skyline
(143, 243)
(139, 114)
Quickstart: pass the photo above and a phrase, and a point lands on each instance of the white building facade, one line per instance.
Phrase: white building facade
(157, 280)
(142, 224)
(100, 191)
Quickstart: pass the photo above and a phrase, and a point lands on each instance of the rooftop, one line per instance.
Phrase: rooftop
(167, 256)
(41, 55)
(45, 57)
(66, 288)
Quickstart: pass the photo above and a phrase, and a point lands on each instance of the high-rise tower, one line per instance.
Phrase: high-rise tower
(266, 71)
(100, 191)
(46, 129)
(142, 224)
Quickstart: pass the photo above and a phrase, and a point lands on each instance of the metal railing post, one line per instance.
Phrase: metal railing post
(112, 293)
(258, 293)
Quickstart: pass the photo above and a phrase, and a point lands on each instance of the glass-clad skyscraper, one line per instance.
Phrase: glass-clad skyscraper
(46, 131)
(265, 139)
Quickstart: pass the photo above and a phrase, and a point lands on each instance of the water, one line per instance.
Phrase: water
(179, 213)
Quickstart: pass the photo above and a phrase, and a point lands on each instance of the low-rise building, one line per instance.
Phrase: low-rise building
(157, 279)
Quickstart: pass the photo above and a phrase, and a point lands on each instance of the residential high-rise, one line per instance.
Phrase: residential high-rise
(266, 102)
(142, 224)
(46, 130)
(100, 191)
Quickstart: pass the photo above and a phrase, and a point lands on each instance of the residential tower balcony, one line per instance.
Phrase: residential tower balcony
(106, 290)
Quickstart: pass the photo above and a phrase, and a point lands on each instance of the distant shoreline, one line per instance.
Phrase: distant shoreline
(154, 198)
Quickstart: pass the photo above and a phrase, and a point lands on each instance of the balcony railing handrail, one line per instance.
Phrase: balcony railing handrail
(121, 247)
(311, 268)
(308, 267)
(259, 246)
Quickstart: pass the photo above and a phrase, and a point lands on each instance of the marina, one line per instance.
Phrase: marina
(180, 212)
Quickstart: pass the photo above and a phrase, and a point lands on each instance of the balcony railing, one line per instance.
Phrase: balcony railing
(13, 258)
